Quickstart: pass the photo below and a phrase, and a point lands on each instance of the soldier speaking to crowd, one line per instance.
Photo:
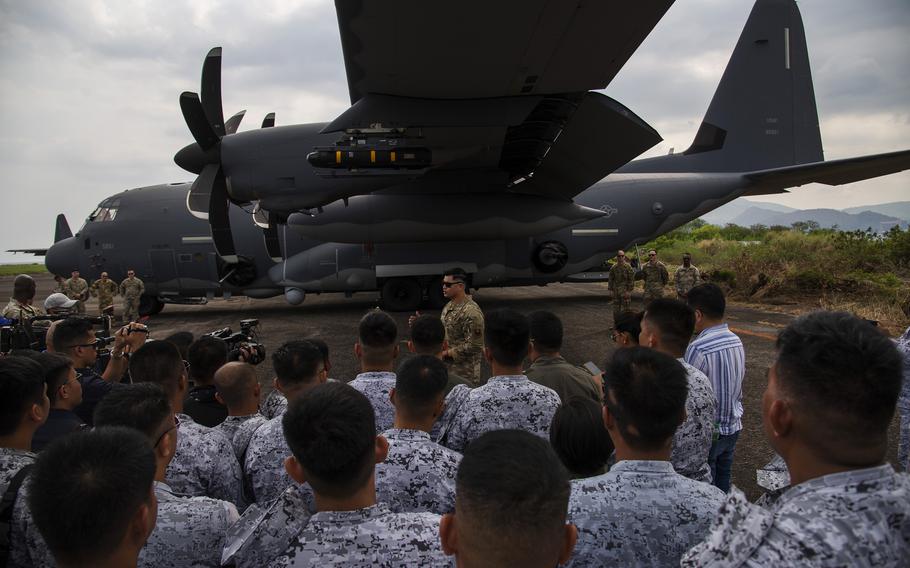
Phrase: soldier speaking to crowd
(463, 320)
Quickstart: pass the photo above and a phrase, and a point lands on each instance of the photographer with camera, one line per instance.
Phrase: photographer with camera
(205, 356)
(20, 306)
(75, 338)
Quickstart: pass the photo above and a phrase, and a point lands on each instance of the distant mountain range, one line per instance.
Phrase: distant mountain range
(879, 218)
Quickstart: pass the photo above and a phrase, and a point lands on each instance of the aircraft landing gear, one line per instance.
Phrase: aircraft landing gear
(150, 305)
(401, 295)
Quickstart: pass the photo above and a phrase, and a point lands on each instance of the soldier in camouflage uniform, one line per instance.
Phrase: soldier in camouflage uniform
(190, 531)
(641, 512)
(376, 350)
(686, 277)
(509, 399)
(463, 320)
(131, 289)
(418, 475)
(76, 288)
(204, 464)
(846, 505)
(667, 326)
(655, 276)
(621, 284)
(20, 306)
(105, 289)
(339, 419)
(299, 367)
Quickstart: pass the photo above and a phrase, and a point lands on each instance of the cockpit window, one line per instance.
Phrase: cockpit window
(106, 211)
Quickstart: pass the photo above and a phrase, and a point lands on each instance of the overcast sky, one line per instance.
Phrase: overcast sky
(89, 89)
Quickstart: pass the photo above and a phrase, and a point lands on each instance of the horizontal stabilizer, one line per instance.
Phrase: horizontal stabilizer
(36, 252)
(601, 136)
(833, 172)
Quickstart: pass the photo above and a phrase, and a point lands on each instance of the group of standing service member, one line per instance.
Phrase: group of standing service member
(130, 289)
(655, 276)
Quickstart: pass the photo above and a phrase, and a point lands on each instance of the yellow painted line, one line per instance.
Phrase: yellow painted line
(372, 156)
(337, 156)
(767, 336)
(393, 156)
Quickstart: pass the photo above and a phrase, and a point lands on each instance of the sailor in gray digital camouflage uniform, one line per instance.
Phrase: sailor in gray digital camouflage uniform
(237, 388)
(25, 407)
(298, 367)
(355, 532)
(667, 326)
(204, 464)
(903, 404)
(418, 475)
(509, 399)
(189, 531)
(376, 350)
(830, 398)
(641, 512)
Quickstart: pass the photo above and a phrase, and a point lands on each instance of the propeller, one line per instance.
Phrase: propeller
(208, 197)
(266, 220)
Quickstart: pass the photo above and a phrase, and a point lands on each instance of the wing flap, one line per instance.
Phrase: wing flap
(601, 136)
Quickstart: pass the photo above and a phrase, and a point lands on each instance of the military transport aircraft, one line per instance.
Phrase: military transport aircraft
(494, 156)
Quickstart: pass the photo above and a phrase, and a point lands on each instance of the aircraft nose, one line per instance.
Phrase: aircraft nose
(62, 257)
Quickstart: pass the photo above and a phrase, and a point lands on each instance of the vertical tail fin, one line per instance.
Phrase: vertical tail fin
(763, 113)
(62, 230)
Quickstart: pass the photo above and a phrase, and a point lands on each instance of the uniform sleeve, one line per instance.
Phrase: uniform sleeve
(677, 280)
(664, 275)
(473, 322)
(141, 287)
(226, 481)
(93, 289)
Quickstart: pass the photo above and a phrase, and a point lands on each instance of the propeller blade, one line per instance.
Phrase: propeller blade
(200, 194)
(232, 123)
(269, 120)
(219, 219)
(211, 91)
(272, 242)
(196, 121)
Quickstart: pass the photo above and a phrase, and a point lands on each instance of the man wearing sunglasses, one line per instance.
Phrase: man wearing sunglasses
(75, 338)
(463, 320)
(655, 275)
(65, 393)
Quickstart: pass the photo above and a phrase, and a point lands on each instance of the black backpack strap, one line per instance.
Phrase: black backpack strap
(6, 513)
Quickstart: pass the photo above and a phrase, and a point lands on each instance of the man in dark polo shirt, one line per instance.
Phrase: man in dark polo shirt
(549, 368)
(65, 393)
(75, 338)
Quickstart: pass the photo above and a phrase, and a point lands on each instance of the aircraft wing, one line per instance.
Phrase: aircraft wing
(482, 48)
(834, 172)
(36, 252)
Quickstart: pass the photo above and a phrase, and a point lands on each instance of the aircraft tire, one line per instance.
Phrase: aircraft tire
(435, 299)
(150, 305)
(401, 295)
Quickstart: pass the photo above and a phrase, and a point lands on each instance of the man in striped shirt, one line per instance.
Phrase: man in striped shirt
(718, 353)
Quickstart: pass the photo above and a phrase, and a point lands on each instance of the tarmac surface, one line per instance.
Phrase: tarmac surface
(584, 309)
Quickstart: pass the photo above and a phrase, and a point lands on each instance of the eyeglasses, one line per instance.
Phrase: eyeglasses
(450, 284)
(94, 344)
(75, 379)
(186, 364)
(652, 254)
(161, 437)
(614, 334)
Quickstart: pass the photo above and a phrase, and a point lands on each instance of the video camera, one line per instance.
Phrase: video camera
(25, 334)
(247, 338)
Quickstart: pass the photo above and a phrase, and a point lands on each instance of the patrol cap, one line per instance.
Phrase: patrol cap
(58, 300)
